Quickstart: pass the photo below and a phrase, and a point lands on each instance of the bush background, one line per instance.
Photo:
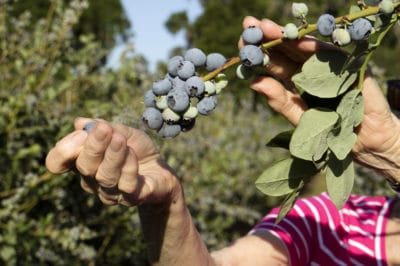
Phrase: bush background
(52, 70)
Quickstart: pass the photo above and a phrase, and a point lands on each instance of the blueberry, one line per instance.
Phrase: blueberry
(251, 55)
(186, 70)
(162, 87)
(194, 86)
(196, 56)
(149, 99)
(207, 104)
(252, 35)
(360, 29)
(152, 118)
(89, 126)
(169, 131)
(178, 100)
(173, 65)
(214, 61)
(326, 25)
(187, 125)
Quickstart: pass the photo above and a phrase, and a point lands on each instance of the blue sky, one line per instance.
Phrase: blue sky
(151, 39)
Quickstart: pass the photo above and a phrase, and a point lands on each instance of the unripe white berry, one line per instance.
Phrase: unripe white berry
(170, 116)
(221, 82)
(290, 31)
(299, 10)
(341, 37)
(209, 87)
(386, 6)
(266, 60)
(243, 72)
(161, 102)
(190, 113)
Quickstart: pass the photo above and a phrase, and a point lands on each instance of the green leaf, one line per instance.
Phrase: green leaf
(324, 74)
(339, 179)
(309, 138)
(351, 109)
(288, 203)
(342, 143)
(281, 140)
(284, 176)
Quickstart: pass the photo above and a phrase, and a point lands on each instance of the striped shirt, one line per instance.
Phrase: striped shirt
(316, 233)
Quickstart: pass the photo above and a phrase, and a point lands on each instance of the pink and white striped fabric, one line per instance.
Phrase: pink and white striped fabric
(316, 233)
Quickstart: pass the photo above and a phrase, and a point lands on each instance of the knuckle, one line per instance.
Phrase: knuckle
(106, 178)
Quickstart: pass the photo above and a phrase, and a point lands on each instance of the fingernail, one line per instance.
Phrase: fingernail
(100, 134)
(115, 145)
(89, 126)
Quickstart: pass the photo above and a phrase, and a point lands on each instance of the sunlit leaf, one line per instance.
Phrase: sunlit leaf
(339, 179)
(323, 74)
(285, 176)
(309, 138)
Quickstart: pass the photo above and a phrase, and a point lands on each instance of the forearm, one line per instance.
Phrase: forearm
(170, 233)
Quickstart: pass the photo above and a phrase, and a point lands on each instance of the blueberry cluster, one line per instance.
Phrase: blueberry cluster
(251, 54)
(359, 30)
(174, 102)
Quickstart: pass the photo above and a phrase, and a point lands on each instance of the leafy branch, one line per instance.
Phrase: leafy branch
(305, 30)
(323, 139)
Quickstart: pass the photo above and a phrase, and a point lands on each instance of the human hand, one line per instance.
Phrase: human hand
(378, 135)
(119, 164)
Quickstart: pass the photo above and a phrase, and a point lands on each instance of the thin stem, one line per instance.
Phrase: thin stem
(364, 66)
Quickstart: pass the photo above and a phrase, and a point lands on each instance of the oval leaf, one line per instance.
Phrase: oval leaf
(342, 143)
(351, 109)
(339, 179)
(308, 141)
(284, 176)
(323, 74)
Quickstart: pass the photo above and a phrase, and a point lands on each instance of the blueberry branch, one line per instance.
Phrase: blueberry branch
(308, 29)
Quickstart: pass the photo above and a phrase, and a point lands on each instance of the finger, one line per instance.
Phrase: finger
(89, 184)
(80, 122)
(374, 99)
(297, 50)
(129, 182)
(94, 149)
(109, 170)
(290, 105)
(106, 200)
(109, 196)
(60, 159)
(282, 67)
(250, 21)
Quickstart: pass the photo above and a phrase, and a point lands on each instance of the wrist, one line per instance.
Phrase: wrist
(384, 159)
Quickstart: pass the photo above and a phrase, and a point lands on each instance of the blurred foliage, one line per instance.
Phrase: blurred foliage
(105, 20)
(46, 81)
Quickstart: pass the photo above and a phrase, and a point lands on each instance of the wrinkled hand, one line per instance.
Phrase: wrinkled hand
(378, 134)
(119, 164)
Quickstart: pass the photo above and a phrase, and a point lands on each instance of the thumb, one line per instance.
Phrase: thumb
(60, 158)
